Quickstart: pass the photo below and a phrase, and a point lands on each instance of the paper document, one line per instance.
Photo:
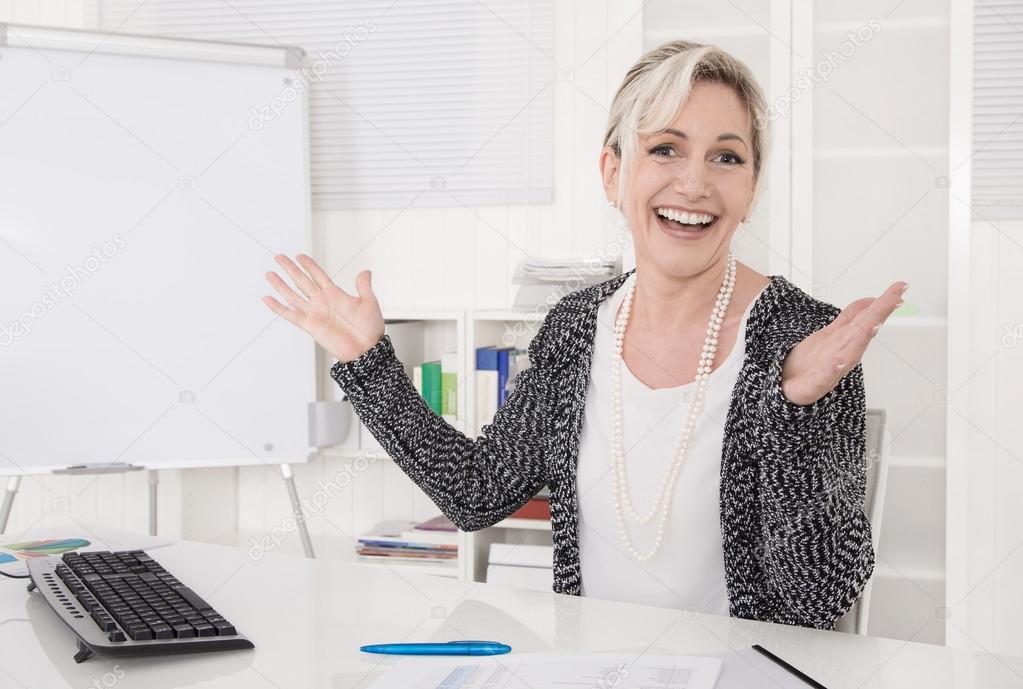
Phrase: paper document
(553, 670)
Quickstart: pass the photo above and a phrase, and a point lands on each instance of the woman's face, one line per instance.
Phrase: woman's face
(705, 165)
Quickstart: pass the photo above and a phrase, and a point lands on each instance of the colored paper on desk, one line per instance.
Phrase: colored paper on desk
(532, 670)
(17, 548)
(12, 552)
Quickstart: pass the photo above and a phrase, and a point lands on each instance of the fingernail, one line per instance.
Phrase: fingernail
(873, 331)
(904, 288)
(901, 302)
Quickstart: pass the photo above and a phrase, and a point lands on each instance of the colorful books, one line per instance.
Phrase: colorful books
(449, 384)
(432, 385)
(397, 540)
(437, 382)
(496, 370)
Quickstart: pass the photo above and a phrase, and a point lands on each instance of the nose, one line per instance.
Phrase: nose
(690, 178)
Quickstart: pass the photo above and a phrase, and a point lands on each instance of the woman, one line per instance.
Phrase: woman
(700, 425)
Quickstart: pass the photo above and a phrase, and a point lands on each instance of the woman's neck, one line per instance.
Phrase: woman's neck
(674, 304)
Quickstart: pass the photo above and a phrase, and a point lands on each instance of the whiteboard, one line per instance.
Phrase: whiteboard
(140, 207)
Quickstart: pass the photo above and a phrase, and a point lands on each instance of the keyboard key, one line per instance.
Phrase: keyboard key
(224, 628)
(116, 635)
(193, 599)
(183, 630)
(162, 631)
(140, 633)
(204, 629)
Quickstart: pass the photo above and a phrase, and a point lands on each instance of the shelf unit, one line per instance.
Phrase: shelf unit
(878, 155)
(423, 335)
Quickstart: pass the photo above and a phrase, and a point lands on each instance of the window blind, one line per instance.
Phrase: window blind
(997, 161)
(428, 103)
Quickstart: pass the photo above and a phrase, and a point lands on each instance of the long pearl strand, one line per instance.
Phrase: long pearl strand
(662, 503)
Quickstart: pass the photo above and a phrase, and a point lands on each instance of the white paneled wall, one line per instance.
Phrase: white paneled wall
(461, 258)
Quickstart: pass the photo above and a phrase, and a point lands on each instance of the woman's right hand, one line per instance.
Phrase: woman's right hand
(345, 325)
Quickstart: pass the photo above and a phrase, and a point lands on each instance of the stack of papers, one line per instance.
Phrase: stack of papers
(558, 270)
(535, 670)
(400, 541)
(543, 282)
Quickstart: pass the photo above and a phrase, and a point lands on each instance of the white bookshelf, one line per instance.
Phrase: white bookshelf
(876, 140)
(499, 328)
(423, 335)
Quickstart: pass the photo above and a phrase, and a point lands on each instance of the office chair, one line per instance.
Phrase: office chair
(855, 621)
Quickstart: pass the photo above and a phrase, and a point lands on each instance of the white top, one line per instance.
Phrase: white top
(688, 571)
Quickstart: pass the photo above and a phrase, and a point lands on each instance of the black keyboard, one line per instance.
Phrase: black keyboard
(125, 603)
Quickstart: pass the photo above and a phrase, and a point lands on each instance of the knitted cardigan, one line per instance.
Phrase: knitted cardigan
(797, 545)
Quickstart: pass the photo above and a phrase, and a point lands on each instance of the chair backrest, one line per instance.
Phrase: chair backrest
(855, 621)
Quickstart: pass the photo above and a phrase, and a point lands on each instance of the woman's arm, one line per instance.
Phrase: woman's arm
(817, 553)
(475, 482)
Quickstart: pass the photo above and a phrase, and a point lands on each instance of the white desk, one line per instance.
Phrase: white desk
(308, 618)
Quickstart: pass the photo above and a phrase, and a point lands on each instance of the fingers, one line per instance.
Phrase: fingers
(364, 286)
(318, 274)
(281, 310)
(282, 288)
(868, 321)
(850, 312)
(298, 276)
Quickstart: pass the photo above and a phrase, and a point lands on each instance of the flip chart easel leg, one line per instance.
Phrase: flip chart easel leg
(5, 511)
(296, 508)
(154, 481)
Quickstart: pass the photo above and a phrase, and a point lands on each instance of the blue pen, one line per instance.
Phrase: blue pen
(465, 647)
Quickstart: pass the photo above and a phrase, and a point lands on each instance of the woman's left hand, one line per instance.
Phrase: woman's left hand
(814, 367)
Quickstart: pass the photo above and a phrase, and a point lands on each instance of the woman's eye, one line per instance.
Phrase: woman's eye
(658, 149)
(732, 158)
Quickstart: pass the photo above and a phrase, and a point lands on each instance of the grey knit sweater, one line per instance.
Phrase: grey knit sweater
(797, 545)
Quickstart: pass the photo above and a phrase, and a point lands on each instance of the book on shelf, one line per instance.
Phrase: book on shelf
(437, 382)
(449, 384)
(438, 523)
(439, 529)
(496, 370)
(395, 560)
(535, 508)
(431, 384)
(398, 540)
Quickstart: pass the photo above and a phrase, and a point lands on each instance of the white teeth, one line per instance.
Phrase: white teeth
(686, 218)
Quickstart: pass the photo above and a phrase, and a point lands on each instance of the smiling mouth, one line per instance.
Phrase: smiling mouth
(688, 223)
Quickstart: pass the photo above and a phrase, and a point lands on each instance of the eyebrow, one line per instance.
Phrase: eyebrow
(721, 137)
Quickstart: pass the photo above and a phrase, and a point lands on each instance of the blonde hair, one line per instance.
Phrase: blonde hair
(659, 84)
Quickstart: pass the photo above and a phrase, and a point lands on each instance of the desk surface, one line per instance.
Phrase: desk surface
(308, 618)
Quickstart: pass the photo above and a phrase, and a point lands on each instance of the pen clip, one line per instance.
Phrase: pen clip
(471, 641)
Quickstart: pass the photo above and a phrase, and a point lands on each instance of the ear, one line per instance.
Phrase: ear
(609, 165)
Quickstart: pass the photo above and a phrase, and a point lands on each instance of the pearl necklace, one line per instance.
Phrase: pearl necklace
(662, 502)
